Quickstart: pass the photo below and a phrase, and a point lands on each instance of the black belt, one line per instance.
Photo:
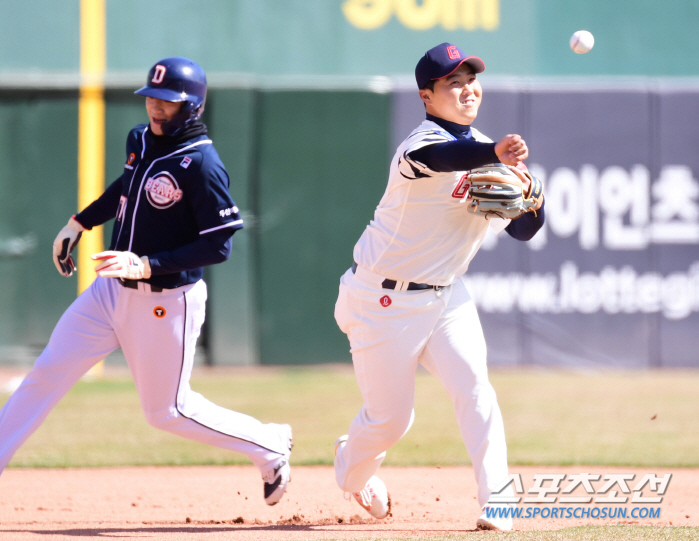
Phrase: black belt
(133, 284)
(391, 284)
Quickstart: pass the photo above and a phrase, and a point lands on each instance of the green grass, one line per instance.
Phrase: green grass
(554, 418)
(584, 533)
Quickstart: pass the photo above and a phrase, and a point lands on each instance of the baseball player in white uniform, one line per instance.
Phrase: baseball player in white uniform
(174, 216)
(404, 301)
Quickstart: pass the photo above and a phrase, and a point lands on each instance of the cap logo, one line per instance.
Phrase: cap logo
(159, 74)
(453, 52)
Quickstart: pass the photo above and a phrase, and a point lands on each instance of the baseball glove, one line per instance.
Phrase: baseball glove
(497, 190)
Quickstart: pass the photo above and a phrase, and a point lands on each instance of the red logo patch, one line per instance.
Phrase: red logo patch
(461, 189)
(131, 159)
(385, 301)
(159, 312)
(453, 52)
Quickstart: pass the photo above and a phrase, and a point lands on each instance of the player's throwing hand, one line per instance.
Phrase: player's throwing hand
(511, 149)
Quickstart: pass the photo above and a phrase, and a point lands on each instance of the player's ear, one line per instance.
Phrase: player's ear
(426, 96)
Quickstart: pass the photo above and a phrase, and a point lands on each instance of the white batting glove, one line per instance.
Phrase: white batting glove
(63, 246)
(126, 265)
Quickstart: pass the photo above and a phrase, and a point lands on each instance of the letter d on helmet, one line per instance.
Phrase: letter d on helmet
(177, 79)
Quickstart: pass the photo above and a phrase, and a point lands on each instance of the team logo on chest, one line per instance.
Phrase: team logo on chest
(162, 190)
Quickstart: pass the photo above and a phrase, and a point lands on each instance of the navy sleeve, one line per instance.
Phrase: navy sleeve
(103, 208)
(459, 155)
(526, 226)
(214, 210)
(206, 250)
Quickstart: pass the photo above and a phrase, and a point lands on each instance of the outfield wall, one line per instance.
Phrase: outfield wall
(612, 280)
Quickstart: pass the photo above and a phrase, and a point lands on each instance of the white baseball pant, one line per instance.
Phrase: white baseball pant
(159, 352)
(439, 330)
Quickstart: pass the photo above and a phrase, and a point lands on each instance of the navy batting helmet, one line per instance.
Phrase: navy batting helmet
(177, 79)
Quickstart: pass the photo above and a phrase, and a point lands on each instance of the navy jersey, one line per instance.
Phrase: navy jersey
(171, 204)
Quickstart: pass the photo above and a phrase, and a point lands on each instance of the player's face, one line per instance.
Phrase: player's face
(160, 111)
(456, 97)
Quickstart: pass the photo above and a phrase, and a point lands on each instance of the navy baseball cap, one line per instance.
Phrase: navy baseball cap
(442, 60)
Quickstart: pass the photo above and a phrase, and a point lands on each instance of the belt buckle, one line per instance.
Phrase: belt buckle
(438, 288)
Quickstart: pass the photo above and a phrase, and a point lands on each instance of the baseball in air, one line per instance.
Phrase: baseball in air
(582, 41)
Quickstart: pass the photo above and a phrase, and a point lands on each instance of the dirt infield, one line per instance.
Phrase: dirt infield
(212, 502)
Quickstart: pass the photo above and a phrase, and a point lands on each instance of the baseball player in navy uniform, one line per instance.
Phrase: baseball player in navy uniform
(173, 216)
(404, 301)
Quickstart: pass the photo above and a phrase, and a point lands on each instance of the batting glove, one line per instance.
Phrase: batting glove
(126, 265)
(63, 246)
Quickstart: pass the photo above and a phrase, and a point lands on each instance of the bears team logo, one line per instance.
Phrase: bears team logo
(162, 190)
(385, 301)
(159, 312)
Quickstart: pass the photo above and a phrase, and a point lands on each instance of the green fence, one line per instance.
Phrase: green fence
(38, 168)
(231, 327)
(323, 159)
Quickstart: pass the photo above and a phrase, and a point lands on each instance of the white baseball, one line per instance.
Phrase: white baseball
(582, 41)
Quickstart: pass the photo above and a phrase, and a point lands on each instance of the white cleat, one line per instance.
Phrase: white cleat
(495, 517)
(374, 498)
(278, 476)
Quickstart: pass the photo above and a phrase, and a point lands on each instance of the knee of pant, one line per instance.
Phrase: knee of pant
(47, 379)
(393, 427)
(483, 392)
(161, 419)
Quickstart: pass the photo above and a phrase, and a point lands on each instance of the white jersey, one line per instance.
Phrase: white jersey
(422, 231)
